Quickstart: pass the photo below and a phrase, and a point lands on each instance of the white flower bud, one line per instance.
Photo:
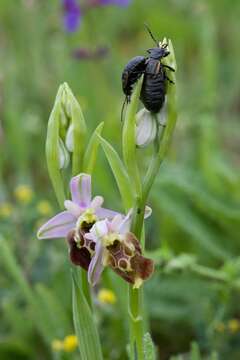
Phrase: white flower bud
(63, 155)
(66, 102)
(69, 138)
(146, 128)
(162, 115)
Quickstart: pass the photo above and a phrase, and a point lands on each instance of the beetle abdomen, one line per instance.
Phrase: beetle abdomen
(131, 73)
(153, 90)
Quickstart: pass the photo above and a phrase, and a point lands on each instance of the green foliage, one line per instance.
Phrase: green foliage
(89, 344)
(90, 155)
(119, 173)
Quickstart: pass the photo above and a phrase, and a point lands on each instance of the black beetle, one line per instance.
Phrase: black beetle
(154, 82)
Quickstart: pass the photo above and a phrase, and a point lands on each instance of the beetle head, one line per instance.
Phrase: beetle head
(159, 52)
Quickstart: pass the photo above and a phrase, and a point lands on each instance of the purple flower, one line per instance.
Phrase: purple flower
(80, 211)
(73, 12)
(72, 15)
(98, 237)
(116, 247)
(115, 2)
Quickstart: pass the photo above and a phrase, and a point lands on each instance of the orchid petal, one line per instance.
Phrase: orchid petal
(81, 190)
(147, 212)
(103, 213)
(57, 227)
(124, 226)
(116, 222)
(100, 229)
(97, 202)
(73, 208)
(90, 236)
(96, 267)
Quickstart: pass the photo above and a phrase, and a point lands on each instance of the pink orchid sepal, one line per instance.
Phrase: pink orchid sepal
(82, 207)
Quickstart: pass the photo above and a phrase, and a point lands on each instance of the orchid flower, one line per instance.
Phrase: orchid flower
(81, 211)
(118, 248)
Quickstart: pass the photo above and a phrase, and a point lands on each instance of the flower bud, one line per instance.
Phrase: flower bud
(162, 115)
(63, 155)
(69, 138)
(66, 132)
(146, 128)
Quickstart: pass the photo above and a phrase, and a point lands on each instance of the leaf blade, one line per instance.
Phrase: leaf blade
(119, 172)
(86, 331)
(90, 155)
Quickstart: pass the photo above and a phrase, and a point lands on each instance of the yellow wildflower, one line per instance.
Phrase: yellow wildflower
(220, 327)
(44, 208)
(106, 296)
(70, 343)
(23, 193)
(234, 325)
(57, 345)
(6, 210)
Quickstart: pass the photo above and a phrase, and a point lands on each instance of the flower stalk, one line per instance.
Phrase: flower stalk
(128, 140)
(161, 145)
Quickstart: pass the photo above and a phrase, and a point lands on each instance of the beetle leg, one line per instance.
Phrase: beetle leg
(171, 82)
(169, 67)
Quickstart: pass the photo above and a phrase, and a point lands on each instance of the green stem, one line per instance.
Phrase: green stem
(128, 140)
(135, 296)
(160, 153)
(136, 322)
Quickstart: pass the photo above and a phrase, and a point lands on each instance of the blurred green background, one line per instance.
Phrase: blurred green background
(194, 232)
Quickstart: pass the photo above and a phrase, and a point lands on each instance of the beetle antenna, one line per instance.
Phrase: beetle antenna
(151, 34)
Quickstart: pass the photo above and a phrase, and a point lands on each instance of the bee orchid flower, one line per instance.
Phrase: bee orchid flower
(118, 248)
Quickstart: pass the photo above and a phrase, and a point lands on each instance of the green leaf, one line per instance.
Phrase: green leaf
(214, 356)
(86, 331)
(9, 262)
(190, 183)
(129, 139)
(195, 352)
(90, 155)
(148, 347)
(119, 172)
(12, 268)
(54, 312)
(200, 232)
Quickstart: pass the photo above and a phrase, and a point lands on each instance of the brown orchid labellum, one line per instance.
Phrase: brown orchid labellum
(126, 259)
